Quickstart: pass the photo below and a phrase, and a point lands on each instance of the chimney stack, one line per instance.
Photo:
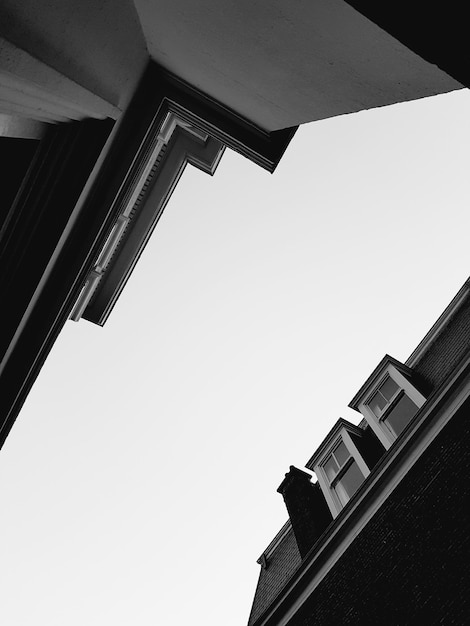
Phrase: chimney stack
(308, 511)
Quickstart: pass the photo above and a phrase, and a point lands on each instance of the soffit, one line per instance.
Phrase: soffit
(281, 64)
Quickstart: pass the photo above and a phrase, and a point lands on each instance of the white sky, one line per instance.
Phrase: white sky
(138, 485)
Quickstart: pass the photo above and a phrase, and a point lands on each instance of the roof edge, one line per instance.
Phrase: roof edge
(439, 325)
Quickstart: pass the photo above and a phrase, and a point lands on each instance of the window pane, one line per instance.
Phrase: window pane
(401, 414)
(331, 468)
(341, 454)
(389, 388)
(377, 403)
(349, 483)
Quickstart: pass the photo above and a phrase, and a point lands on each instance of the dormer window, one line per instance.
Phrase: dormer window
(339, 465)
(388, 400)
(383, 397)
(391, 405)
(342, 473)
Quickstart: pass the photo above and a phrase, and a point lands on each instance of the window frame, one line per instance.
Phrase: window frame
(327, 485)
(378, 423)
(388, 403)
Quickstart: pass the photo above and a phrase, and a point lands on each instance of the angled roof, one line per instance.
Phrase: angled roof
(442, 362)
(278, 563)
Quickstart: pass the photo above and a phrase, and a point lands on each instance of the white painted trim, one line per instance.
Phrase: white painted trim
(167, 128)
(333, 504)
(332, 499)
(87, 292)
(385, 436)
(353, 450)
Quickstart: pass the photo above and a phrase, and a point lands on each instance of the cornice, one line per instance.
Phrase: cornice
(80, 205)
(202, 111)
(174, 105)
(168, 146)
(121, 253)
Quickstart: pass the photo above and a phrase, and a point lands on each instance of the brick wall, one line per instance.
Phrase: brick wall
(449, 348)
(283, 563)
(411, 563)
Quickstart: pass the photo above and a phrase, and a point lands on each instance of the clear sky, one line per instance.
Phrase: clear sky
(138, 485)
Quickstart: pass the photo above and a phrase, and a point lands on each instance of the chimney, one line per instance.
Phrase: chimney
(308, 511)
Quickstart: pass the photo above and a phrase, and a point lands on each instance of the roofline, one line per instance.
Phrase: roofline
(423, 346)
(204, 112)
(439, 325)
(275, 542)
(392, 468)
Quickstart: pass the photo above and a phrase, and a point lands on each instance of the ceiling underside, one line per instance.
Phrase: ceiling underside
(281, 63)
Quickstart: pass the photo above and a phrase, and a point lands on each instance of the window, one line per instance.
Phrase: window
(388, 400)
(342, 473)
(392, 405)
(339, 465)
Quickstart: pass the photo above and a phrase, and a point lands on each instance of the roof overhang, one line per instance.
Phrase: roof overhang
(284, 64)
(73, 198)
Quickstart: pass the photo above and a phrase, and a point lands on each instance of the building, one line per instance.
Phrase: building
(103, 103)
(381, 536)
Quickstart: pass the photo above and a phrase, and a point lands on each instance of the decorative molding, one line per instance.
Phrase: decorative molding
(142, 199)
(77, 204)
(131, 191)
(201, 111)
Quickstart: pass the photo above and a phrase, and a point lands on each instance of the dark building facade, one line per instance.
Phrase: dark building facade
(382, 535)
(103, 104)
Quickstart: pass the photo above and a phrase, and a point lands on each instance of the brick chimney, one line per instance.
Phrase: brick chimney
(308, 511)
